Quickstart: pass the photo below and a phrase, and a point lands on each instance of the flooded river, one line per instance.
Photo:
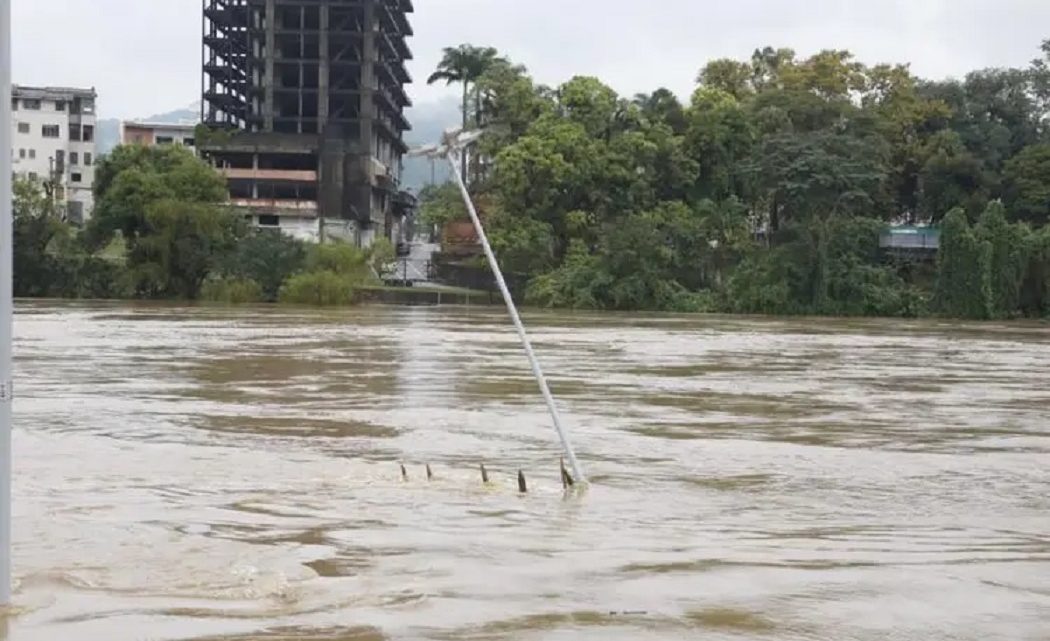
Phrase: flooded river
(233, 474)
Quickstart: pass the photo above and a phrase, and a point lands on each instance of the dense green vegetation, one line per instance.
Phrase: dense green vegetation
(768, 190)
(765, 193)
(161, 230)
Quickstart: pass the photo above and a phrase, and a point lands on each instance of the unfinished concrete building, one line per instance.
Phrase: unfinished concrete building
(305, 100)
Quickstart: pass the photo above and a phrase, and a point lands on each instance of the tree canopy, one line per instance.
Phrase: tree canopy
(767, 191)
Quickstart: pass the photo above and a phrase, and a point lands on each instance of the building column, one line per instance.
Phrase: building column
(369, 59)
(323, 71)
(269, 108)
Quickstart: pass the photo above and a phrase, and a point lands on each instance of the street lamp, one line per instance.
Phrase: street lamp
(452, 147)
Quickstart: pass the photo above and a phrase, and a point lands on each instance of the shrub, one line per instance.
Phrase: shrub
(234, 291)
(324, 288)
(339, 258)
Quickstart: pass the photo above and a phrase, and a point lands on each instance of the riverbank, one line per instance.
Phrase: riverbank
(426, 296)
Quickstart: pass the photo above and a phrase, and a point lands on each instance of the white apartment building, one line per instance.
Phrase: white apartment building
(54, 141)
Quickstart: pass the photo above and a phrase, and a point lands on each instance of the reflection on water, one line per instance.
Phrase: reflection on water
(216, 474)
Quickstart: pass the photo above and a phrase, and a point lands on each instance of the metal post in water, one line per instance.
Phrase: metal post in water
(512, 308)
(6, 302)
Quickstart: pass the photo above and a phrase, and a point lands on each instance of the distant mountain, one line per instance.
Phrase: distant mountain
(107, 135)
(429, 121)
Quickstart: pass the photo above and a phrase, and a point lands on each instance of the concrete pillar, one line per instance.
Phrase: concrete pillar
(369, 60)
(302, 65)
(269, 107)
(323, 71)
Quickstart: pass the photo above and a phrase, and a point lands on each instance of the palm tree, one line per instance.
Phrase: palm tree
(466, 64)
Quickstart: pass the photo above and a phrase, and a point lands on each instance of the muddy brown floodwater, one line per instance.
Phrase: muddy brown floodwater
(233, 474)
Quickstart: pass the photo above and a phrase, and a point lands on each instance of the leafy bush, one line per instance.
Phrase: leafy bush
(321, 289)
(342, 259)
(234, 291)
(265, 256)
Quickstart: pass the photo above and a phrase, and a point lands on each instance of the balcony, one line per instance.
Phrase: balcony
(278, 207)
(285, 175)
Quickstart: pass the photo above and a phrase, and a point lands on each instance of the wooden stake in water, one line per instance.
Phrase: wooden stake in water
(512, 308)
(6, 302)
(566, 478)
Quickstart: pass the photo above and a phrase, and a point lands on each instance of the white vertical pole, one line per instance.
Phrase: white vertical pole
(6, 301)
(512, 308)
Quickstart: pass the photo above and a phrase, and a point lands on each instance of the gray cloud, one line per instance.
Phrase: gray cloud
(144, 56)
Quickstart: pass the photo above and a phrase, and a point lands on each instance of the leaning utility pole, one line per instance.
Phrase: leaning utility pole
(453, 148)
(6, 302)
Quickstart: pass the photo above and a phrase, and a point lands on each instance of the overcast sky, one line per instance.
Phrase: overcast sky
(143, 56)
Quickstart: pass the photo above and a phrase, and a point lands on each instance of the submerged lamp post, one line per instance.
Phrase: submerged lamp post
(455, 142)
(6, 302)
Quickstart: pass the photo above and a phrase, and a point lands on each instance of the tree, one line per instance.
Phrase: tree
(510, 102)
(37, 228)
(950, 177)
(1035, 291)
(964, 284)
(720, 137)
(165, 204)
(585, 100)
(466, 64)
(819, 174)
(1027, 185)
(133, 176)
(727, 76)
(266, 257)
(909, 122)
(767, 64)
(663, 107)
(1008, 260)
(179, 245)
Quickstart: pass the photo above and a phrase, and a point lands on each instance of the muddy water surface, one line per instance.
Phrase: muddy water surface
(216, 474)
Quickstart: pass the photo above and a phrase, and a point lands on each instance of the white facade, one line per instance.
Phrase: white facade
(54, 141)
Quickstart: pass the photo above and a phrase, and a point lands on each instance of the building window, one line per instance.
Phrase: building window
(89, 133)
(33, 176)
(32, 154)
(60, 105)
(75, 178)
(60, 156)
(189, 142)
(32, 105)
(14, 104)
(87, 159)
(74, 133)
(269, 220)
(74, 158)
(22, 153)
(165, 140)
(51, 131)
(23, 127)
